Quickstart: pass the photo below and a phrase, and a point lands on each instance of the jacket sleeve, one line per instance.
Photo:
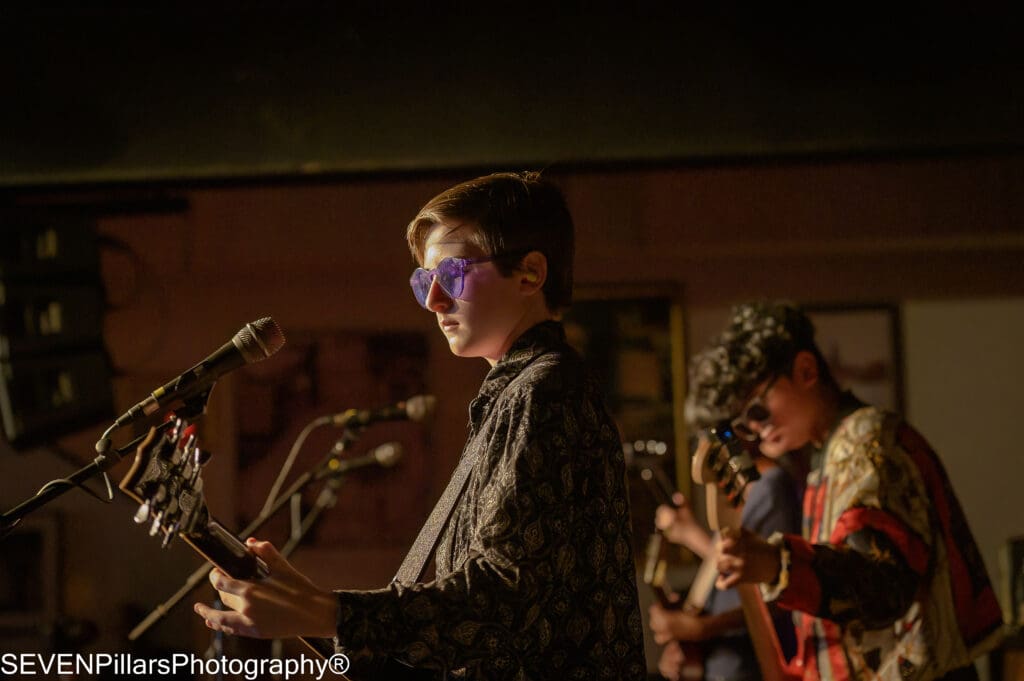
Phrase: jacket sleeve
(879, 547)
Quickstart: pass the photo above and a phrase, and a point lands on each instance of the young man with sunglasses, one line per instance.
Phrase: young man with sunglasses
(535, 573)
(886, 581)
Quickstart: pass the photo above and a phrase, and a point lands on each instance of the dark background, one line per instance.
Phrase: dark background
(103, 92)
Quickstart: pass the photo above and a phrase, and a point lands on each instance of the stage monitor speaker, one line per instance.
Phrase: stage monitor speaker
(39, 318)
(44, 397)
(40, 246)
(55, 375)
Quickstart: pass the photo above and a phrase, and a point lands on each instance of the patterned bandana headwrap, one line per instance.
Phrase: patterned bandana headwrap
(761, 340)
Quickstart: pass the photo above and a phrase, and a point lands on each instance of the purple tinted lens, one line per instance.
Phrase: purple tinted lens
(449, 277)
(420, 282)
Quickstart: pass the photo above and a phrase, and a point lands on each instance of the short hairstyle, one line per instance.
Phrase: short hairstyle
(513, 214)
(761, 341)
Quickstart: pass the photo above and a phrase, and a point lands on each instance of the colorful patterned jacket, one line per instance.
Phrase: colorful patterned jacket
(887, 579)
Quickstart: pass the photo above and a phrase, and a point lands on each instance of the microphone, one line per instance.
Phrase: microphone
(254, 342)
(417, 408)
(385, 455)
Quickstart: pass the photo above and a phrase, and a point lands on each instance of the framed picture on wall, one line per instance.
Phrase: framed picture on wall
(862, 344)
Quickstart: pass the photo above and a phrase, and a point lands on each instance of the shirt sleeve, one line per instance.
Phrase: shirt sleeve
(485, 612)
(878, 551)
(771, 505)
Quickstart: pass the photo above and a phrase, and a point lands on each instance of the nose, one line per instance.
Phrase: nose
(758, 427)
(437, 299)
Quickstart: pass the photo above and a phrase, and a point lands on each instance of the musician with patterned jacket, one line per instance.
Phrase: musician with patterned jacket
(886, 580)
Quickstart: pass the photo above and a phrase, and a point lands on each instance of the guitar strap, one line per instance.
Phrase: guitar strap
(415, 563)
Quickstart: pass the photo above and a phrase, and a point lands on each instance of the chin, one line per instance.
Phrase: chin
(773, 450)
(460, 348)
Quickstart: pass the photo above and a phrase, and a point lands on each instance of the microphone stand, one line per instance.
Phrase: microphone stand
(104, 461)
(327, 499)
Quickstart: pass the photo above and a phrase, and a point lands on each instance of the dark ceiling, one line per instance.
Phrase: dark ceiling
(122, 94)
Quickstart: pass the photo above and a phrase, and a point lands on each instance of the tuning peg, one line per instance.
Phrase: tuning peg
(170, 534)
(175, 430)
(155, 527)
(142, 515)
(201, 457)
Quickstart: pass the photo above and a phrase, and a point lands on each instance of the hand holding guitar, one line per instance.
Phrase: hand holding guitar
(283, 604)
(675, 625)
(745, 557)
(680, 526)
(671, 661)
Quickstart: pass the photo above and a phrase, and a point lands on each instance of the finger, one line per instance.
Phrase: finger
(727, 545)
(232, 602)
(221, 582)
(728, 581)
(727, 564)
(678, 499)
(270, 555)
(664, 517)
(228, 621)
(661, 638)
(265, 550)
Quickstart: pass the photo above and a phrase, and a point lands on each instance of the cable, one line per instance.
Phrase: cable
(292, 454)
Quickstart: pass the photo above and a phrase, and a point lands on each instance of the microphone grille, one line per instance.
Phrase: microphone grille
(259, 339)
(420, 407)
(388, 454)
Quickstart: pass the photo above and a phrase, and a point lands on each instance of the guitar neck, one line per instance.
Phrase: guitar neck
(702, 586)
(164, 479)
(763, 636)
(227, 552)
(724, 511)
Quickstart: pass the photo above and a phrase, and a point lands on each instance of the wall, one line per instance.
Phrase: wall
(331, 256)
(964, 368)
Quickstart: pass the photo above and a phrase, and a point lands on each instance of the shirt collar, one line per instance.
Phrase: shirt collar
(848, 403)
(534, 342)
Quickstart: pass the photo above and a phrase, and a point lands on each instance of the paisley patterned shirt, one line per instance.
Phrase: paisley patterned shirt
(887, 579)
(535, 571)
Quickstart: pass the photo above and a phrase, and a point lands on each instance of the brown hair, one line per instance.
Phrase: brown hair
(512, 214)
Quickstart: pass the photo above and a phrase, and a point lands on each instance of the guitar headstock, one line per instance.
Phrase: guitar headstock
(723, 464)
(165, 480)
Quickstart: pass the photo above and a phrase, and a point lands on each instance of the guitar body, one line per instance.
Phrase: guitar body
(164, 480)
(715, 465)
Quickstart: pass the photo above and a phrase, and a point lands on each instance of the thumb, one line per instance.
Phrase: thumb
(268, 552)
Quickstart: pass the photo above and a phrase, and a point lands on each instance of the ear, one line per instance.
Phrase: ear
(533, 272)
(805, 369)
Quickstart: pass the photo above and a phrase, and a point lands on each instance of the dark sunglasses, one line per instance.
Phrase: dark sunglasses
(755, 411)
(450, 274)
